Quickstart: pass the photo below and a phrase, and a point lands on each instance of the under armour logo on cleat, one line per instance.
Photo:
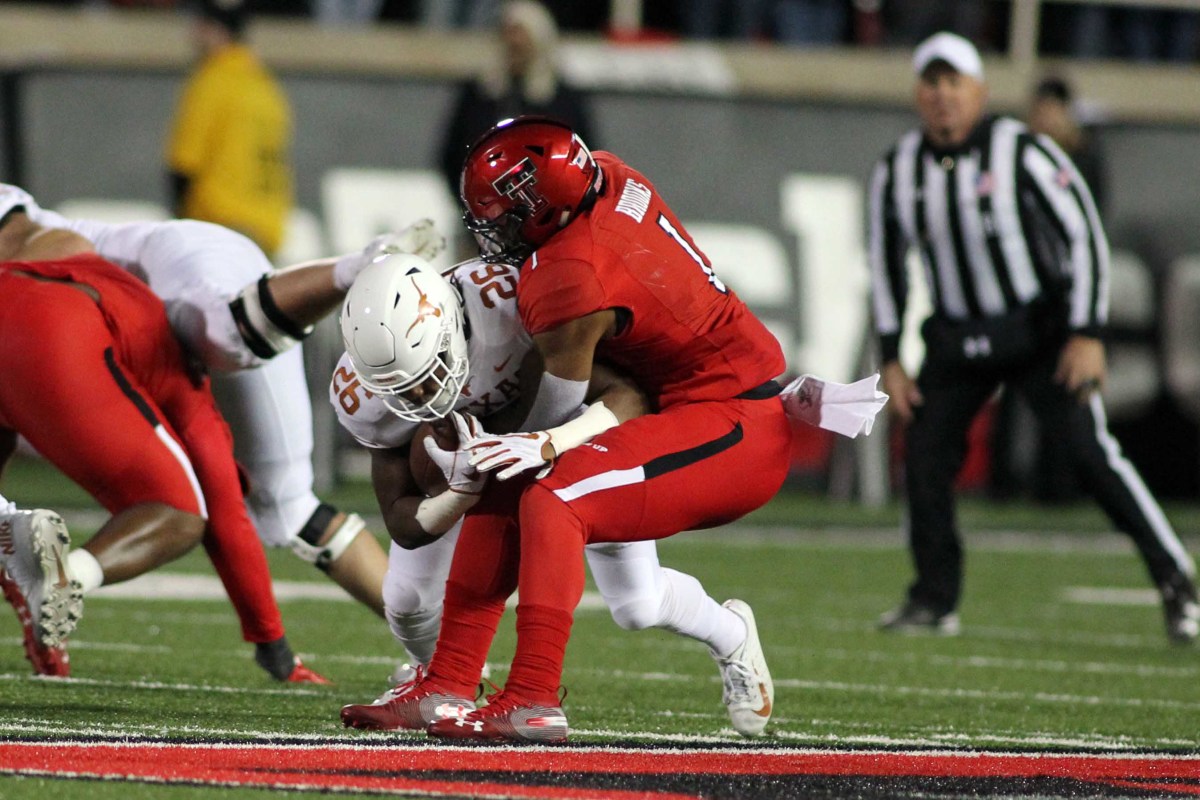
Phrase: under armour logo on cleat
(451, 710)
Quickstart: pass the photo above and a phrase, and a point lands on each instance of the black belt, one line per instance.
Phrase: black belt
(764, 391)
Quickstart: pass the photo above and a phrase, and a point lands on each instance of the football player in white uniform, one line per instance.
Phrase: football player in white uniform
(240, 319)
(419, 346)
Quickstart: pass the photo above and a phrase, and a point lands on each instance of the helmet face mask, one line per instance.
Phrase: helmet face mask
(403, 328)
(521, 183)
(500, 240)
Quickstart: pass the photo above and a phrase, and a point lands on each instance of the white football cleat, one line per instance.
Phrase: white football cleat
(749, 692)
(39, 585)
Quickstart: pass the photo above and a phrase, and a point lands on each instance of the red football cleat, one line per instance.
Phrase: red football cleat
(302, 674)
(507, 717)
(412, 705)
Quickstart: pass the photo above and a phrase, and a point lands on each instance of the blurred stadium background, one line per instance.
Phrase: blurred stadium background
(762, 148)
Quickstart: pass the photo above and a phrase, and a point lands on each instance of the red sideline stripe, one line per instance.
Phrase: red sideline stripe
(165, 760)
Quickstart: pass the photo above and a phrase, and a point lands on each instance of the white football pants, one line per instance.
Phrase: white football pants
(639, 593)
(269, 411)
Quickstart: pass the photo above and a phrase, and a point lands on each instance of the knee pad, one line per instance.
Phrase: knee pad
(638, 613)
(323, 555)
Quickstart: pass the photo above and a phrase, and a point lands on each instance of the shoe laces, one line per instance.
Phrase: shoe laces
(739, 680)
(408, 685)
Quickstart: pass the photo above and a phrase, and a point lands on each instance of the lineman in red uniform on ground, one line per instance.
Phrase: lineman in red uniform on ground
(92, 376)
(607, 272)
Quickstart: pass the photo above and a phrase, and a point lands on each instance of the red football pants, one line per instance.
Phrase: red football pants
(692, 466)
(128, 437)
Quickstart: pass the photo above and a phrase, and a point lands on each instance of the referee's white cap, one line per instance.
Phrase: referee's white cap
(951, 48)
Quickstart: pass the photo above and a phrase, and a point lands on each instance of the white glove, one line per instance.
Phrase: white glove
(517, 452)
(845, 408)
(461, 475)
(420, 239)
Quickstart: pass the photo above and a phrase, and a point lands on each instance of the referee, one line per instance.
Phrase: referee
(1017, 266)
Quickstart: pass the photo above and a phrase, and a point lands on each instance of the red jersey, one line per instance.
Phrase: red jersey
(683, 336)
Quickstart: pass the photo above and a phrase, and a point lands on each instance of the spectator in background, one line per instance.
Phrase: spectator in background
(911, 21)
(714, 19)
(228, 156)
(346, 12)
(1052, 112)
(1140, 34)
(523, 80)
(810, 23)
(457, 13)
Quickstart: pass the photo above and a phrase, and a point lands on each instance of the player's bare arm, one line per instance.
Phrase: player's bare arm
(22, 239)
(399, 498)
(569, 349)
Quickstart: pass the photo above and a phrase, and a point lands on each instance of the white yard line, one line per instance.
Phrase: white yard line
(993, 662)
(165, 585)
(816, 743)
(166, 687)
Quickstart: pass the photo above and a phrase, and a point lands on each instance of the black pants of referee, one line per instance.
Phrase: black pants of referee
(937, 445)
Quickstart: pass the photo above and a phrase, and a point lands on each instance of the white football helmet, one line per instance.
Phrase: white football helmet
(403, 328)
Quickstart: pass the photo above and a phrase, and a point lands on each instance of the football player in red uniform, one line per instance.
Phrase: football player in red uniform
(607, 272)
(92, 376)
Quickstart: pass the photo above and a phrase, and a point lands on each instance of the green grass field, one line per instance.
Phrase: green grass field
(1062, 647)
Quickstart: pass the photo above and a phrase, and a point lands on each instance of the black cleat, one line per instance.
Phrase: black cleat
(1181, 609)
(914, 617)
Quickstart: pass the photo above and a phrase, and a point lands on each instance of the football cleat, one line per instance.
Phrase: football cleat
(1181, 609)
(507, 718)
(37, 582)
(404, 673)
(302, 674)
(413, 706)
(914, 617)
(52, 662)
(749, 692)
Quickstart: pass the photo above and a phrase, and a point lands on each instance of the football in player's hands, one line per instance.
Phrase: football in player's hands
(427, 475)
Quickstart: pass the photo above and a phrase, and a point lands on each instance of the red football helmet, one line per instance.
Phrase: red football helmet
(522, 181)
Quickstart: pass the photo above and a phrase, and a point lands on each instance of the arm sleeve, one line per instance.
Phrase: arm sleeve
(886, 253)
(1067, 203)
(557, 400)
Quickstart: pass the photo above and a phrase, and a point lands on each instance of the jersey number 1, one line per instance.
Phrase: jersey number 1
(695, 254)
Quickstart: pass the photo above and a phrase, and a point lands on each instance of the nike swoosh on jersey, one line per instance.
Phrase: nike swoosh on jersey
(500, 367)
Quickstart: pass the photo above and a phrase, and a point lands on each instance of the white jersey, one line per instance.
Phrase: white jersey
(195, 268)
(496, 345)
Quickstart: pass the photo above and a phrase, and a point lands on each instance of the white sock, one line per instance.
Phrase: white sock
(86, 569)
(687, 609)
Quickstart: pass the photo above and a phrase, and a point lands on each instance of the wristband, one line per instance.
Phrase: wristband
(591, 423)
(437, 514)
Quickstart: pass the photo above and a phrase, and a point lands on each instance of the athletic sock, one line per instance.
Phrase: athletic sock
(86, 569)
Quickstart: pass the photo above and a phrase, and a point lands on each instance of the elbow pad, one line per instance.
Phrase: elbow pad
(266, 330)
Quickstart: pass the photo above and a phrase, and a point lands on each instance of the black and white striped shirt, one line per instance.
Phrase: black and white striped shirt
(1000, 221)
